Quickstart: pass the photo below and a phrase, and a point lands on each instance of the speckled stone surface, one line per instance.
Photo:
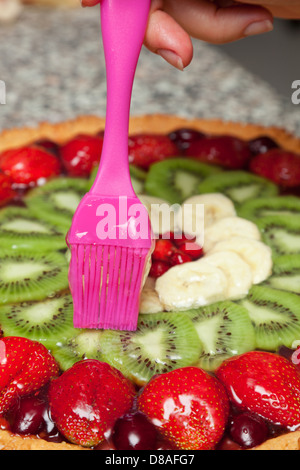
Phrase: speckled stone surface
(53, 66)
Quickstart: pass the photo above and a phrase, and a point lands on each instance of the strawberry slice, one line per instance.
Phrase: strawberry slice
(81, 154)
(146, 149)
(6, 191)
(227, 151)
(87, 399)
(25, 367)
(189, 406)
(29, 165)
(283, 168)
(263, 383)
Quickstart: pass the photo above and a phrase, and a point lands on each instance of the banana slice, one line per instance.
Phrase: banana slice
(224, 229)
(150, 302)
(254, 252)
(199, 212)
(237, 271)
(191, 285)
(162, 214)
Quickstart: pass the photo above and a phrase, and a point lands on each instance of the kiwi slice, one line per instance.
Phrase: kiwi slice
(270, 206)
(281, 233)
(21, 229)
(138, 177)
(177, 179)
(57, 200)
(85, 345)
(275, 315)
(286, 273)
(31, 276)
(49, 322)
(224, 329)
(161, 343)
(239, 186)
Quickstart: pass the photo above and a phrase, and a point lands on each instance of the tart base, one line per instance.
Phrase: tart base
(159, 123)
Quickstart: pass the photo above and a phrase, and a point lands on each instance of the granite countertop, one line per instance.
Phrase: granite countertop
(53, 66)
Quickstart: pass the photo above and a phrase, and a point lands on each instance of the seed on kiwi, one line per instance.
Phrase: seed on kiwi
(225, 330)
(50, 321)
(286, 273)
(21, 229)
(138, 177)
(270, 206)
(57, 200)
(85, 345)
(161, 343)
(31, 276)
(177, 179)
(239, 186)
(281, 233)
(275, 315)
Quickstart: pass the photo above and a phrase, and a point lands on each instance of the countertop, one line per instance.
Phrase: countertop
(53, 66)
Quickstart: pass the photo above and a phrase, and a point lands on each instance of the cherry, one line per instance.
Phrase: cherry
(227, 151)
(48, 145)
(163, 250)
(183, 137)
(228, 444)
(158, 268)
(180, 258)
(248, 430)
(29, 417)
(134, 432)
(262, 144)
(191, 249)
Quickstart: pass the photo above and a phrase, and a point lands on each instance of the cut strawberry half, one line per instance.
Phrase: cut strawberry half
(146, 149)
(28, 165)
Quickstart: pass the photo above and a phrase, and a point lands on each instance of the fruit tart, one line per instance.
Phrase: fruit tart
(214, 363)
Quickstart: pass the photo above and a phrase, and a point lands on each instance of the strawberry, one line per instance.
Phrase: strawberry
(81, 154)
(146, 149)
(87, 399)
(25, 367)
(6, 191)
(189, 406)
(281, 167)
(28, 165)
(263, 383)
(227, 151)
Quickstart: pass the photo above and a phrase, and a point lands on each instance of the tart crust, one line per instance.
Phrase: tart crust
(158, 123)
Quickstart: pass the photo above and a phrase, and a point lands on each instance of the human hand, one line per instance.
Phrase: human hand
(172, 23)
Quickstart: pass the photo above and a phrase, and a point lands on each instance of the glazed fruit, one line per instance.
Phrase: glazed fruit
(134, 431)
(263, 383)
(227, 151)
(188, 406)
(281, 167)
(26, 366)
(87, 399)
(81, 154)
(145, 149)
(248, 430)
(29, 166)
(183, 137)
(262, 144)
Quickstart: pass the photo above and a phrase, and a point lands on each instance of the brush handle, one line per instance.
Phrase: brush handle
(123, 24)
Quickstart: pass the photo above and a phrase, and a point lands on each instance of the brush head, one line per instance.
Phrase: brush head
(111, 244)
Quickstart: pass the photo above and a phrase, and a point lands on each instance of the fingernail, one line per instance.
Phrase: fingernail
(171, 57)
(259, 27)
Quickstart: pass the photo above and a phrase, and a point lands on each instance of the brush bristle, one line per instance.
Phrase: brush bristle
(106, 282)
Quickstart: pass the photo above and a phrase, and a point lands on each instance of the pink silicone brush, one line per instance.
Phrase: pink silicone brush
(110, 238)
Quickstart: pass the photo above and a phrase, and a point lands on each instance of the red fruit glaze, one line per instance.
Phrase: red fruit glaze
(281, 167)
(7, 194)
(25, 367)
(263, 383)
(26, 166)
(145, 149)
(226, 151)
(81, 154)
(87, 399)
(189, 407)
